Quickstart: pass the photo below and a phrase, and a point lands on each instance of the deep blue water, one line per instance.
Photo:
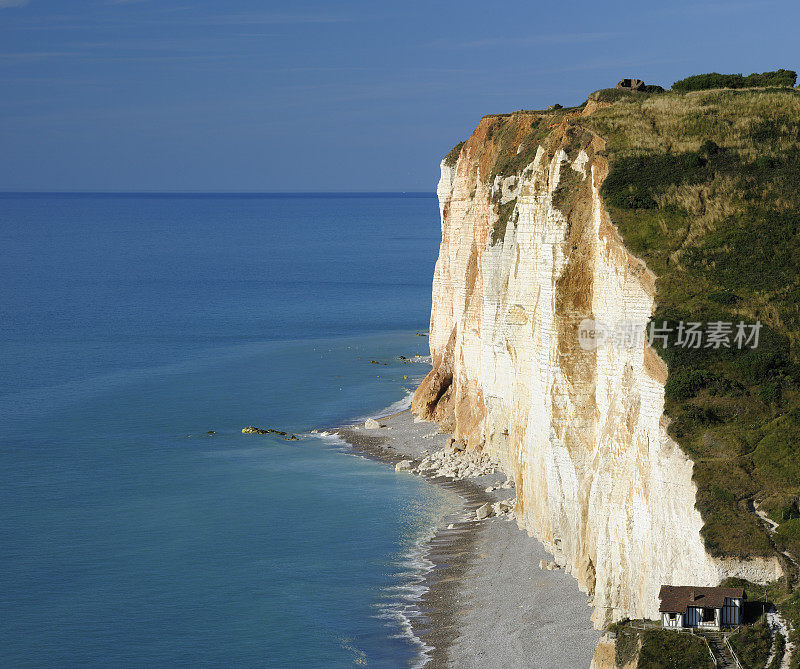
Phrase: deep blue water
(131, 325)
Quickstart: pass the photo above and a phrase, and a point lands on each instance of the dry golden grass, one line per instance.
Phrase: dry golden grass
(677, 123)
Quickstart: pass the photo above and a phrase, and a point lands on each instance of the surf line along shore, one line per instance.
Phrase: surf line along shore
(493, 597)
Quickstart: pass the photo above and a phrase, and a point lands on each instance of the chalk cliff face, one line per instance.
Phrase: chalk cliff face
(528, 252)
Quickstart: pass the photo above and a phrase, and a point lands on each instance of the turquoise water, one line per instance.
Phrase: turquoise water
(132, 325)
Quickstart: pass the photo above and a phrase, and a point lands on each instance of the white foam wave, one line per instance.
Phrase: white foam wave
(423, 359)
(330, 439)
(402, 607)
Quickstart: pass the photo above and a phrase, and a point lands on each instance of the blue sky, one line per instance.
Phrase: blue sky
(239, 95)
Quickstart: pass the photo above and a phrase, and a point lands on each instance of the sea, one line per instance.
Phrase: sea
(139, 333)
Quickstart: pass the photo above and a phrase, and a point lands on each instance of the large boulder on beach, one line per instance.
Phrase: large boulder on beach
(453, 446)
(501, 508)
(483, 511)
(371, 424)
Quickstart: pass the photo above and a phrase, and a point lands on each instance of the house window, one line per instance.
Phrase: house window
(707, 616)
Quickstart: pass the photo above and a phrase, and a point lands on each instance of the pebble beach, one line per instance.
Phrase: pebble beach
(493, 596)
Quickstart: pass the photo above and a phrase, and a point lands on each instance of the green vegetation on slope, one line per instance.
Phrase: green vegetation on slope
(788, 603)
(660, 648)
(752, 645)
(705, 187)
(780, 648)
(614, 94)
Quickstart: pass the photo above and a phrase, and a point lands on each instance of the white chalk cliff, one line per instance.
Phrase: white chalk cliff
(580, 431)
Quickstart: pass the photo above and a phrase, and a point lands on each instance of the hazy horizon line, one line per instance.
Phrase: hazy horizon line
(219, 192)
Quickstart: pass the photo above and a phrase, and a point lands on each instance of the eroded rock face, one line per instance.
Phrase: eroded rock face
(581, 431)
(605, 656)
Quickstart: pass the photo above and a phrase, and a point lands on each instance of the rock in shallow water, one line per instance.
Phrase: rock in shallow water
(252, 429)
(371, 424)
(404, 466)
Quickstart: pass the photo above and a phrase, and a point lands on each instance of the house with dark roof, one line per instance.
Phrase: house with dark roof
(703, 608)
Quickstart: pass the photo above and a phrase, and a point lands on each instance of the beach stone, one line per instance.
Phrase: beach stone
(404, 466)
(371, 424)
(501, 508)
(483, 511)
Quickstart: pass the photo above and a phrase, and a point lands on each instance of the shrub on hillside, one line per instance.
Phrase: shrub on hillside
(662, 648)
(683, 384)
(780, 647)
(752, 645)
(702, 82)
(610, 94)
(615, 94)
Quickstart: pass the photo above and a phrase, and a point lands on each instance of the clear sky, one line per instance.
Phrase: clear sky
(242, 95)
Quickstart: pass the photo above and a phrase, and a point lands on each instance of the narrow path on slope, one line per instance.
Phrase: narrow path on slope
(776, 622)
